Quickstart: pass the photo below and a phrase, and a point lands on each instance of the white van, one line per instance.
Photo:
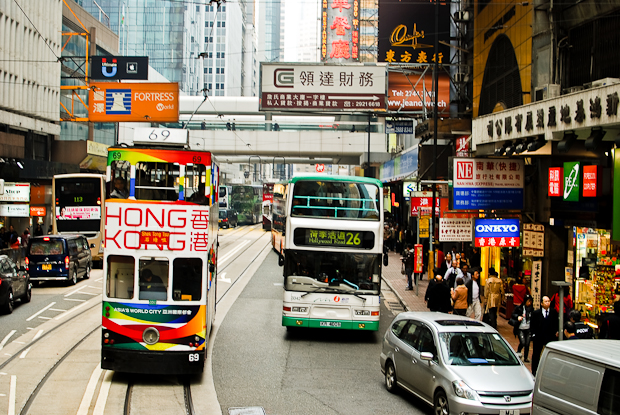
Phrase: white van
(578, 377)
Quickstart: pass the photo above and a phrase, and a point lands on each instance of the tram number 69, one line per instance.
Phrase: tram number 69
(194, 357)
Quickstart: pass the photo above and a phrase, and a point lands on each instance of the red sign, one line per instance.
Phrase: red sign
(154, 238)
(320, 168)
(556, 175)
(37, 210)
(462, 146)
(418, 265)
(590, 181)
(498, 242)
(424, 202)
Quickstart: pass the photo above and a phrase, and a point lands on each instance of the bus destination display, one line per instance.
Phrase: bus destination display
(334, 238)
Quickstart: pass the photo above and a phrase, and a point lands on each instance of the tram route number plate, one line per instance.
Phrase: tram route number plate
(509, 412)
(330, 324)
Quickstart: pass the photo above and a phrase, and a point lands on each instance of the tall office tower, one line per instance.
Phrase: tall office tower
(249, 74)
(302, 29)
(269, 25)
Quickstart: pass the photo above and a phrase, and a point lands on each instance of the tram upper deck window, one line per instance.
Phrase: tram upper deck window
(157, 181)
(323, 199)
(196, 188)
(153, 283)
(119, 187)
(187, 279)
(120, 279)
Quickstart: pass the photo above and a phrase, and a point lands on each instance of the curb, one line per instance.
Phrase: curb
(400, 299)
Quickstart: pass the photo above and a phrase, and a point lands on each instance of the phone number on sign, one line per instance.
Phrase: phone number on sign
(363, 104)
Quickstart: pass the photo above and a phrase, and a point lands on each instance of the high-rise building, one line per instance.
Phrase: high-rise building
(269, 25)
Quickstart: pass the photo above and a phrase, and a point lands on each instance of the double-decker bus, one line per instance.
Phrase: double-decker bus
(333, 251)
(267, 205)
(247, 201)
(159, 260)
(78, 208)
(278, 222)
(224, 197)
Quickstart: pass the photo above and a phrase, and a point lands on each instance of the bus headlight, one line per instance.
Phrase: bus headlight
(300, 309)
(150, 336)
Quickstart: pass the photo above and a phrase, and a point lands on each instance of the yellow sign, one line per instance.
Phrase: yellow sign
(423, 229)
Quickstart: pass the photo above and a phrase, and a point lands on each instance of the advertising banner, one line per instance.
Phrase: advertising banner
(412, 93)
(421, 202)
(37, 210)
(590, 181)
(572, 181)
(403, 166)
(15, 211)
(78, 212)
(340, 30)
(488, 184)
(556, 176)
(455, 230)
(126, 102)
(418, 258)
(16, 192)
(116, 68)
(497, 232)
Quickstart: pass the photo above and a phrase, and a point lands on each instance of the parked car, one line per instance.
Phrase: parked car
(228, 218)
(14, 284)
(58, 258)
(578, 377)
(455, 364)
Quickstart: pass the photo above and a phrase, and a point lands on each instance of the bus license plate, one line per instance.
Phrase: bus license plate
(330, 324)
(46, 267)
(509, 412)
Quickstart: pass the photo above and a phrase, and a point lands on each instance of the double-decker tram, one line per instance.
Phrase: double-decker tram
(333, 249)
(160, 257)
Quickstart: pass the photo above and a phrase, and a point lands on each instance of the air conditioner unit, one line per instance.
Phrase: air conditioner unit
(547, 91)
(574, 89)
(461, 16)
(605, 81)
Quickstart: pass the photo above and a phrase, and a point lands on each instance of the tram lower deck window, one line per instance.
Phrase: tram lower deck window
(187, 279)
(120, 279)
(153, 279)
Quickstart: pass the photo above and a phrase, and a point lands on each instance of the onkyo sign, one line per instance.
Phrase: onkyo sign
(497, 232)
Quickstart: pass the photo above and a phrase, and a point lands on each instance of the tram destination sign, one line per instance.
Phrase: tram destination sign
(322, 87)
(334, 238)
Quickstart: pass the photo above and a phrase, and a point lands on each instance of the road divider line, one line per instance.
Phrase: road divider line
(57, 309)
(45, 318)
(234, 251)
(103, 393)
(73, 292)
(40, 311)
(12, 388)
(90, 391)
(24, 353)
(6, 339)
(36, 336)
(74, 299)
(66, 313)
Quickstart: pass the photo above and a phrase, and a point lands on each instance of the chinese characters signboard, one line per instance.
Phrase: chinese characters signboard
(533, 239)
(556, 175)
(145, 102)
(405, 165)
(536, 283)
(455, 230)
(420, 202)
(335, 238)
(497, 233)
(78, 212)
(340, 30)
(572, 181)
(308, 87)
(487, 184)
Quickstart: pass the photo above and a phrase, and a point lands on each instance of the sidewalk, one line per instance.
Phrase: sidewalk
(412, 302)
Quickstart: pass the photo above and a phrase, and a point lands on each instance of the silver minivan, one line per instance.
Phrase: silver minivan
(455, 364)
(578, 377)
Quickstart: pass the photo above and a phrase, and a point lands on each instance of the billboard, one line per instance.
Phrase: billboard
(116, 68)
(340, 31)
(126, 102)
(322, 87)
(407, 32)
(15, 192)
(497, 232)
(410, 92)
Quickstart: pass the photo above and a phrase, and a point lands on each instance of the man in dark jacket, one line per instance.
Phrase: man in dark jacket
(409, 261)
(474, 296)
(438, 295)
(582, 330)
(544, 328)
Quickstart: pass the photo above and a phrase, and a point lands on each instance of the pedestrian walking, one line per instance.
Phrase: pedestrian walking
(582, 330)
(494, 293)
(445, 264)
(474, 296)
(438, 295)
(409, 260)
(459, 296)
(519, 291)
(543, 328)
(38, 231)
(523, 316)
(466, 274)
(452, 274)
(25, 238)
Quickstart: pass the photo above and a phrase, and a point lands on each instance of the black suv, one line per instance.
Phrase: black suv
(14, 283)
(58, 258)
(228, 218)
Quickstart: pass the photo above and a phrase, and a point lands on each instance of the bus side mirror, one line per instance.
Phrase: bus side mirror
(212, 268)
(385, 260)
(281, 260)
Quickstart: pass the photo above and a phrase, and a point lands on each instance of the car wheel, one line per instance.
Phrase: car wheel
(26, 298)
(390, 377)
(8, 307)
(73, 280)
(441, 404)
(87, 273)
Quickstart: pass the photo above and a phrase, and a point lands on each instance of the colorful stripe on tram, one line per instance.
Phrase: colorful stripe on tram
(178, 326)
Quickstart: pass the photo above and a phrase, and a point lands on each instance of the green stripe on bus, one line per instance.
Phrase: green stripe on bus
(330, 324)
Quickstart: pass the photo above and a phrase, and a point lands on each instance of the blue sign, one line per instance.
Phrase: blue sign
(496, 228)
(399, 127)
(487, 198)
(118, 101)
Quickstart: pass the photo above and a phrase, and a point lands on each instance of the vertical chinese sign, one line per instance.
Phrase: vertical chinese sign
(340, 30)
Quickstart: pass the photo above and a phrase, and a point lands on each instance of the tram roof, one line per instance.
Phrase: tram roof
(325, 178)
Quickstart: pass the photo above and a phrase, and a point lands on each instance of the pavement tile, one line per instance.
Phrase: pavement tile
(397, 282)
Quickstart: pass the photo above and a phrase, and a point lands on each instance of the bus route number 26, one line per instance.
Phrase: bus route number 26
(353, 238)
(194, 357)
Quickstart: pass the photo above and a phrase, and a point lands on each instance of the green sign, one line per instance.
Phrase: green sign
(334, 238)
(572, 181)
(615, 232)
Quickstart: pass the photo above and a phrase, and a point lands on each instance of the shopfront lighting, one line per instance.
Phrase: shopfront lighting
(521, 146)
(503, 150)
(596, 136)
(536, 144)
(567, 141)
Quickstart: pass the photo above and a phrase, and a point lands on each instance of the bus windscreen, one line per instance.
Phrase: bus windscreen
(78, 204)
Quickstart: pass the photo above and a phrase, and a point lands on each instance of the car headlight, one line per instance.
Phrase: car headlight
(463, 391)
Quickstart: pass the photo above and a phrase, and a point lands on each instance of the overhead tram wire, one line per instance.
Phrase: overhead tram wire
(37, 30)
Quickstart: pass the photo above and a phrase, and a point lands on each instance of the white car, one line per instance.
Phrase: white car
(455, 364)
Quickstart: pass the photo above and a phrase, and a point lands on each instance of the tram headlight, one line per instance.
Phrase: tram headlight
(150, 336)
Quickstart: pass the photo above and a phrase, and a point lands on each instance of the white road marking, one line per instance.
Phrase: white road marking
(234, 251)
(36, 336)
(90, 391)
(45, 318)
(57, 309)
(74, 299)
(24, 353)
(40, 311)
(278, 284)
(73, 292)
(12, 388)
(96, 288)
(90, 293)
(66, 313)
(221, 278)
(99, 279)
(18, 342)
(3, 373)
(6, 339)
(2, 394)
(103, 393)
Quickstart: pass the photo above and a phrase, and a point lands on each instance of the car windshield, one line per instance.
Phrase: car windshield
(476, 349)
(46, 248)
(222, 214)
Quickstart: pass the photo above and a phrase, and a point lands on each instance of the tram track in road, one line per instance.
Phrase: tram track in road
(134, 388)
(243, 232)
